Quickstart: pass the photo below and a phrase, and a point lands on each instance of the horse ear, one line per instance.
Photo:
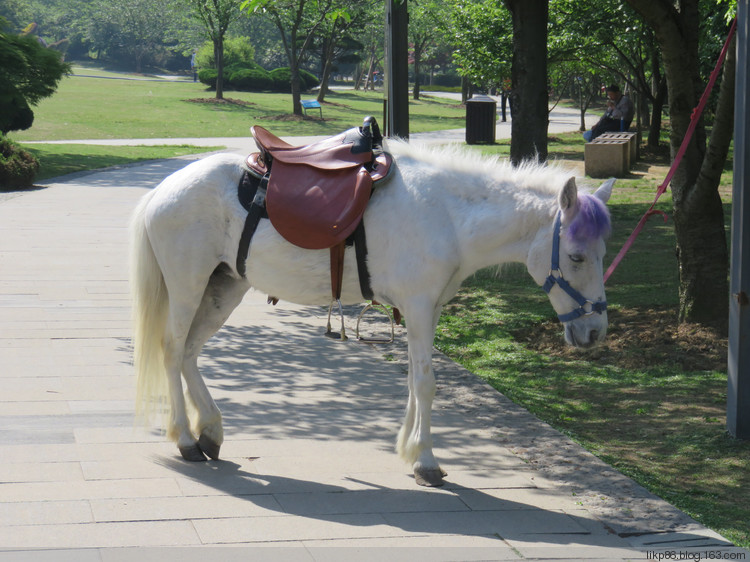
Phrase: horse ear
(568, 200)
(605, 190)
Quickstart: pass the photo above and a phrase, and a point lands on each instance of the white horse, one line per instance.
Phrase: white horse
(441, 216)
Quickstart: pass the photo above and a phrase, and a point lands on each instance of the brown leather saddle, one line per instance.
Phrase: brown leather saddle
(316, 194)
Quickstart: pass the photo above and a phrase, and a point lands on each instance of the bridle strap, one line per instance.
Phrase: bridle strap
(585, 306)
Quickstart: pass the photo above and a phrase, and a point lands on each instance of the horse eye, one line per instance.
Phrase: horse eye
(576, 258)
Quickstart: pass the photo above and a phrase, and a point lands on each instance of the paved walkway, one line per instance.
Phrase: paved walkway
(561, 120)
(308, 469)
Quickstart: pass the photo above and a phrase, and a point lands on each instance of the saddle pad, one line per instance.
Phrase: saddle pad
(315, 210)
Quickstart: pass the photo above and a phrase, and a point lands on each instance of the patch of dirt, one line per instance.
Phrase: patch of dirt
(224, 101)
(638, 339)
(289, 117)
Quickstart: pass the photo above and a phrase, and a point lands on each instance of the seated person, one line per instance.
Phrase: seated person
(619, 114)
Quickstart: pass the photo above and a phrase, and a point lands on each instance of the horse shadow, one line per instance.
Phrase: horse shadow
(369, 506)
(279, 381)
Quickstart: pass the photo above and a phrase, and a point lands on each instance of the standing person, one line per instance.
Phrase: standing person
(618, 116)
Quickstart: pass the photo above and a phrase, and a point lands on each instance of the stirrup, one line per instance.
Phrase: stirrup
(331, 334)
(390, 318)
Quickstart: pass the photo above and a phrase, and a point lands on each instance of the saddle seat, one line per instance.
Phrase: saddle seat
(318, 193)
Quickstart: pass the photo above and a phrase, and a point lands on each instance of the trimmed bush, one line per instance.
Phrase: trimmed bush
(309, 79)
(208, 77)
(282, 79)
(251, 80)
(18, 167)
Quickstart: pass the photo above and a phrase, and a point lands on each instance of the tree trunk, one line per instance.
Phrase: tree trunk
(657, 106)
(658, 94)
(370, 67)
(702, 243)
(529, 98)
(417, 63)
(296, 89)
(219, 58)
(698, 213)
(326, 75)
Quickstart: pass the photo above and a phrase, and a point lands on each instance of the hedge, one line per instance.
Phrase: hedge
(18, 167)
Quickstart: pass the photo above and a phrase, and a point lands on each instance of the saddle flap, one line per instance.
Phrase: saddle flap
(316, 210)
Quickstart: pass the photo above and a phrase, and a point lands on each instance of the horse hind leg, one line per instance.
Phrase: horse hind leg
(222, 295)
(178, 427)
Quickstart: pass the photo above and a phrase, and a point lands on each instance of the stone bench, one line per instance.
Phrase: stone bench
(630, 136)
(605, 158)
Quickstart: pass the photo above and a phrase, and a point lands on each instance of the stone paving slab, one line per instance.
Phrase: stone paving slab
(308, 471)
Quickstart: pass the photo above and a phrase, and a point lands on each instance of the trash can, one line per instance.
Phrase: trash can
(481, 116)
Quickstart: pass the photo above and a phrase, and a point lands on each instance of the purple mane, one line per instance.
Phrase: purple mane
(592, 220)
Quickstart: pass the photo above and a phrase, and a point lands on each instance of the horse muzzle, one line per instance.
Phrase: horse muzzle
(586, 332)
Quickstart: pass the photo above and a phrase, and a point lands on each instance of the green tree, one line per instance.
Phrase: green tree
(16, 13)
(606, 41)
(298, 22)
(697, 208)
(29, 72)
(348, 17)
(423, 32)
(481, 33)
(216, 16)
(135, 26)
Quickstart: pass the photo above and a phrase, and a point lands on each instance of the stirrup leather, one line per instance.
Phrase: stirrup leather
(329, 332)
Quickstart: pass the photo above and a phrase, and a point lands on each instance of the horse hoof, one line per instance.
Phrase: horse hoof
(208, 446)
(431, 477)
(192, 453)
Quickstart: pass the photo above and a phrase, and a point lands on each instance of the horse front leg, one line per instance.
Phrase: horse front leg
(415, 437)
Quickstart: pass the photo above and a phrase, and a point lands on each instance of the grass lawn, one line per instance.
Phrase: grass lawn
(107, 108)
(650, 402)
(60, 159)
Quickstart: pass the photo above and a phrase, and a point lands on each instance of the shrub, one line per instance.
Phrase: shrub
(309, 79)
(251, 80)
(237, 50)
(282, 79)
(18, 168)
(208, 77)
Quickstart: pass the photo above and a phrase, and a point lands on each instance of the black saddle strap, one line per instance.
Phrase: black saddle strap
(360, 250)
(251, 192)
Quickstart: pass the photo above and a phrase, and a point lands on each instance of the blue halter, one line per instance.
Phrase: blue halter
(586, 307)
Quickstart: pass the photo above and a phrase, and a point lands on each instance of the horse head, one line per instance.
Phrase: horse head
(568, 262)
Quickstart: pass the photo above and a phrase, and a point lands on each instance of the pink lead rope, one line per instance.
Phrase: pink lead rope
(697, 112)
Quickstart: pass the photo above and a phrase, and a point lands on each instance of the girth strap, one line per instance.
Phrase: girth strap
(251, 192)
(337, 269)
(359, 239)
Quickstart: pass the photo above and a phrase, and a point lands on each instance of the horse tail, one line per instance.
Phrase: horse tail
(149, 315)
